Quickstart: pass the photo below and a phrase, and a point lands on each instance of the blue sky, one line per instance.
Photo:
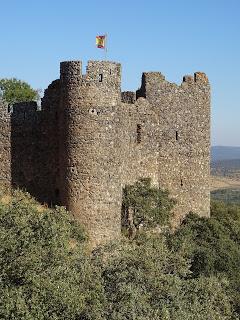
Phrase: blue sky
(172, 36)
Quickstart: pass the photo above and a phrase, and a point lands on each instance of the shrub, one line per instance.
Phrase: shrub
(145, 206)
(145, 280)
(213, 245)
(44, 271)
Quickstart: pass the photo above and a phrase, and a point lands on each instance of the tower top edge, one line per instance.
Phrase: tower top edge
(91, 62)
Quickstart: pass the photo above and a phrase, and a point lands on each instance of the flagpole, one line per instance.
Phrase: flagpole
(106, 39)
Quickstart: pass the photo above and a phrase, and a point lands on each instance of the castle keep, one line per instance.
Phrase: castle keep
(90, 139)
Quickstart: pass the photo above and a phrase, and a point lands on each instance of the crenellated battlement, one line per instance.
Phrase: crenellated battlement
(104, 73)
(97, 72)
(155, 81)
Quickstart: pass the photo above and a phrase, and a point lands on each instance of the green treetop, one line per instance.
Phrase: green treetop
(14, 90)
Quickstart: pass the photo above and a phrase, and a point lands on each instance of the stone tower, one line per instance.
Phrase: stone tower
(88, 162)
(90, 140)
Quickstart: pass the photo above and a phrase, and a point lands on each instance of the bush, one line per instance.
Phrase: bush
(213, 245)
(44, 271)
(145, 280)
(145, 206)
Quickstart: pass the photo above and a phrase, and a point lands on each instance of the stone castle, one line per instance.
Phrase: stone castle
(89, 140)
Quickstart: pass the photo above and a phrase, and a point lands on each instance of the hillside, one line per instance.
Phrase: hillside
(225, 174)
(48, 272)
(226, 168)
(224, 153)
(218, 182)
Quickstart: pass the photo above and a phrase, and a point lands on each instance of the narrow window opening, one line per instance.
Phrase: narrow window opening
(100, 77)
(57, 192)
(110, 71)
(139, 133)
(176, 135)
(181, 182)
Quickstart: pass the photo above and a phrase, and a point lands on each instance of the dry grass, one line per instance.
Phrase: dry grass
(218, 182)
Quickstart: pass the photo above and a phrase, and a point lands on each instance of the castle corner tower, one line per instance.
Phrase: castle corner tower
(90, 186)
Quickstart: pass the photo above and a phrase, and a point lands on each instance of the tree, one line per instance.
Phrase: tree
(213, 245)
(44, 270)
(145, 280)
(145, 206)
(14, 90)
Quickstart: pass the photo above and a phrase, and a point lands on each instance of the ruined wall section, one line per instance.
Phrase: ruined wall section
(90, 169)
(184, 139)
(5, 146)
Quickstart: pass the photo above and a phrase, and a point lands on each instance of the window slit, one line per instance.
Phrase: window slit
(176, 135)
(139, 133)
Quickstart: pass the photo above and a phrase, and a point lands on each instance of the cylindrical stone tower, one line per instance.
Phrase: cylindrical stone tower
(90, 184)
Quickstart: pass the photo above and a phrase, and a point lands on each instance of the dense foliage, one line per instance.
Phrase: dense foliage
(145, 206)
(146, 280)
(14, 90)
(213, 245)
(48, 272)
(44, 272)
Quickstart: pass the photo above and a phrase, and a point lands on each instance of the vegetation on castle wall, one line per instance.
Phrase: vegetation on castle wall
(14, 91)
(144, 207)
(46, 271)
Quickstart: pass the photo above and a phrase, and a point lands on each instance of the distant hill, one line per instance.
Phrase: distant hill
(225, 172)
(224, 153)
(225, 162)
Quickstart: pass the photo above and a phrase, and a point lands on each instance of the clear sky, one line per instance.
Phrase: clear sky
(172, 36)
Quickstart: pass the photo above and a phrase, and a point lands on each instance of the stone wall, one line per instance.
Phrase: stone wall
(89, 140)
(29, 146)
(184, 139)
(5, 146)
(25, 122)
(128, 96)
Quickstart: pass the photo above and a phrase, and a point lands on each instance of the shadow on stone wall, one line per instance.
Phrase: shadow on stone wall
(34, 152)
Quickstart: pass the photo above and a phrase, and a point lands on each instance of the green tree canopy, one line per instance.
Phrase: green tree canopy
(14, 90)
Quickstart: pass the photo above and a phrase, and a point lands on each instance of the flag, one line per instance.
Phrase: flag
(101, 41)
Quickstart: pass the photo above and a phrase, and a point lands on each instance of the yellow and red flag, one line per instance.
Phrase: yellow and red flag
(101, 41)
